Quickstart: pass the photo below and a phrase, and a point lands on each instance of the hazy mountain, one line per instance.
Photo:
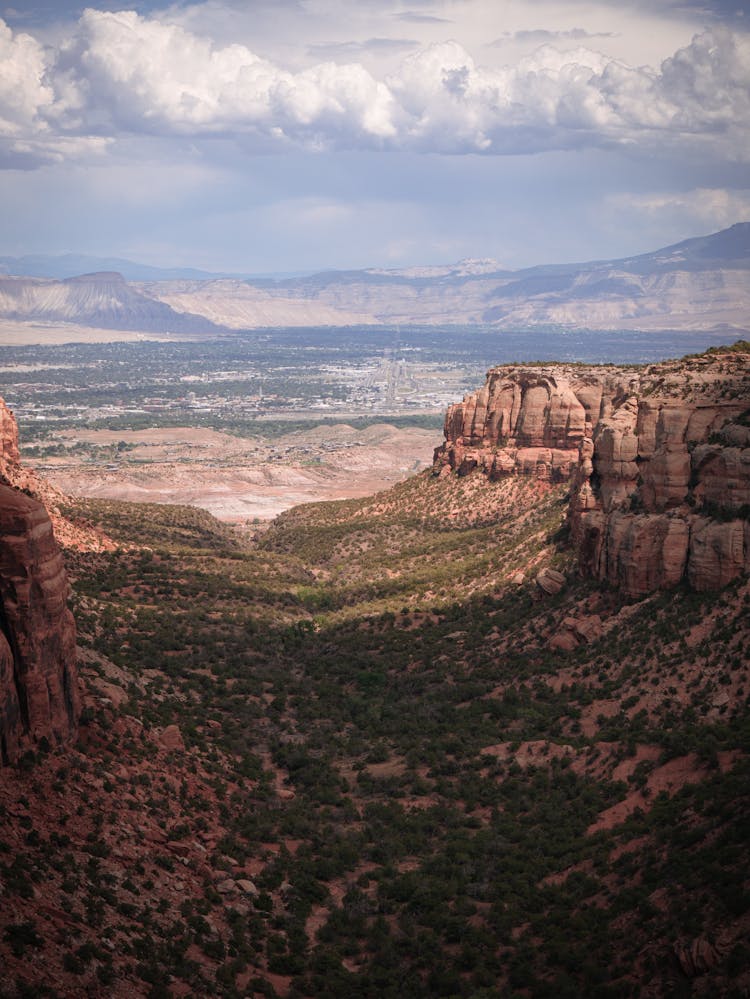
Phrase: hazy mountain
(698, 284)
(103, 300)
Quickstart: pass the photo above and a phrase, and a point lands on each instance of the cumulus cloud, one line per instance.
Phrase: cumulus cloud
(708, 83)
(120, 72)
(26, 100)
(142, 74)
(556, 99)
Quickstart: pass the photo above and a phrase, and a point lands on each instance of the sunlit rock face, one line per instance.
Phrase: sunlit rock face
(527, 420)
(658, 460)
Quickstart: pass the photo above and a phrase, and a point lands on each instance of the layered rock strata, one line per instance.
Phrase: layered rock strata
(39, 697)
(658, 459)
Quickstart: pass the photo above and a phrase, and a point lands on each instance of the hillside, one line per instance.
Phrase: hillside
(403, 745)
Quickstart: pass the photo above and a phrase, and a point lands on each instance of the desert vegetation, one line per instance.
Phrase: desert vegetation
(348, 757)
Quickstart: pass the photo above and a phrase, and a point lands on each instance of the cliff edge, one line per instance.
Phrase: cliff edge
(658, 459)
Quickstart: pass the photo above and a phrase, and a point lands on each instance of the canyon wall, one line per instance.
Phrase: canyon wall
(39, 697)
(658, 460)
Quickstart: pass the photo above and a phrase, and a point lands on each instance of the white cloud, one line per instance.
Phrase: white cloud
(23, 92)
(124, 73)
(145, 75)
(28, 99)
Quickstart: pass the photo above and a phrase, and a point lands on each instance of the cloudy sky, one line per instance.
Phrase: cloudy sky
(285, 135)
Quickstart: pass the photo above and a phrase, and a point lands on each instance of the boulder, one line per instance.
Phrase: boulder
(575, 631)
(563, 640)
(171, 739)
(550, 581)
(247, 886)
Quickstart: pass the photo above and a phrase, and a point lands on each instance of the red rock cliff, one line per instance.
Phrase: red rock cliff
(658, 459)
(38, 679)
(529, 420)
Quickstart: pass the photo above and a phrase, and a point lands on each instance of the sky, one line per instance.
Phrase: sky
(297, 135)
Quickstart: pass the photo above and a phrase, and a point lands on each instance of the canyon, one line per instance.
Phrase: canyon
(483, 732)
(658, 462)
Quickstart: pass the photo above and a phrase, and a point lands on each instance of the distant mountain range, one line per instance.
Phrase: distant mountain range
(68, 265)
(698, 284)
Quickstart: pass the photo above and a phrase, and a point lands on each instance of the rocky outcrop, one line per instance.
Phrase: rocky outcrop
(38, 680)
(527, 420)
(661, 493)
(575, 631)
(550, 581)
(658, 460)
(10, 457)
(13, 473)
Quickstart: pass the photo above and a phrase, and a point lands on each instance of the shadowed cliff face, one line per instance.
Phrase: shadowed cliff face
(658, 460)
(38, 681)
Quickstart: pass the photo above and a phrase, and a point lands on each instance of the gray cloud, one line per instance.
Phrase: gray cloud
(725, 11)
(414, 17)
(541, 36)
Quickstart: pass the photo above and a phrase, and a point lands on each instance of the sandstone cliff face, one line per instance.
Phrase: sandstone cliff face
(658, 460)
(529, 420)
(38, 680)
